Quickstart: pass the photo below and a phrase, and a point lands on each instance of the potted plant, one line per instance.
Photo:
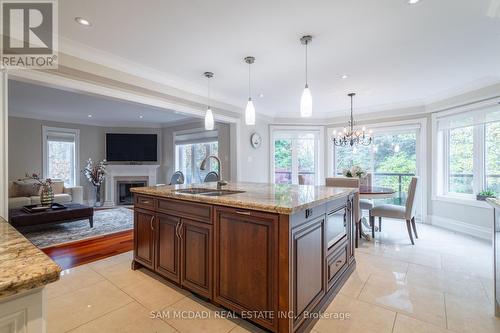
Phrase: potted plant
(95, 174)
(483, 195)
(46, 191)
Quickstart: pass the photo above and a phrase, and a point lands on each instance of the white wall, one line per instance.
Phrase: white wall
(254, 163)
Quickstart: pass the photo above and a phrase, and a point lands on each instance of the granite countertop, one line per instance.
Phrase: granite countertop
(276, 198)
(22, 265)
(495, 202)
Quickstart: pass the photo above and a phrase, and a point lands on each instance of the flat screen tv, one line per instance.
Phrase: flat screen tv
(131, 147)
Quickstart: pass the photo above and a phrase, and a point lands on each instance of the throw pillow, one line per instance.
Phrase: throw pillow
(26, 188)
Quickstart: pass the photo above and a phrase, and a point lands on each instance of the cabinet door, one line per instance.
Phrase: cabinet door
(196, 257)
(246, 262)
(167, 247)
(308, 262)
(144, 237)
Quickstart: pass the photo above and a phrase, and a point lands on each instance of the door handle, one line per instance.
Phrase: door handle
(151, 222)
(243, 212)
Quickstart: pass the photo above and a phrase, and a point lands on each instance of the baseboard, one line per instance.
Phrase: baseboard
(461, 227)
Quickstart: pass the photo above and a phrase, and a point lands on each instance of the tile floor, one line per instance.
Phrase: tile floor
(442, 284)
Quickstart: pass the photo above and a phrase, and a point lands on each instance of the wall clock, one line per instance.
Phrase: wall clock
(255, 140)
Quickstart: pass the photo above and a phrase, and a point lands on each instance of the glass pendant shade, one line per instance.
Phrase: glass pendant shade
(250, 113)
(209, 120)
(306, 103)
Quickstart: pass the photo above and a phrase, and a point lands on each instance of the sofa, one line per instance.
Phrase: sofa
(23, 193)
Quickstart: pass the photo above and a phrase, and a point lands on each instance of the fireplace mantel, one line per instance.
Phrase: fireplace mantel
(130, 172)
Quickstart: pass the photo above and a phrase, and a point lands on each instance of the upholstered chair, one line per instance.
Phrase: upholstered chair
(177, 178)
(212, 176)
(398, 212)
(348, 183)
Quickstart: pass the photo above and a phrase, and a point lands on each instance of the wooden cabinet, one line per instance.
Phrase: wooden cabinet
(246, 262)
(168, 247)
(196, 256)
(271, 268)
(178, 248)
(144, 237)
(308, 246)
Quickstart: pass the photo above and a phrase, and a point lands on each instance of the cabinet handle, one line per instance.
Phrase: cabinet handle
(180, 229)
(147, 202)
(151, 222)
(243, 212)
(177, 229)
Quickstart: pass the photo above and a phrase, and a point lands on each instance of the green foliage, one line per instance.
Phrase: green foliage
(283, 155)
(487, 193)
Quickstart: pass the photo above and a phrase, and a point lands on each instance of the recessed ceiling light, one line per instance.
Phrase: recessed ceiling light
(343, 77)
(261, 95)
(90, 116)
(141, 116)
(82, 21)
(412, 2)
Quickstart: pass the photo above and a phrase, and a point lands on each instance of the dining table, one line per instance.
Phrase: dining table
(372, 192)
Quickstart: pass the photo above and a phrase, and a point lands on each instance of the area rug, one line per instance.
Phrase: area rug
(106, 221)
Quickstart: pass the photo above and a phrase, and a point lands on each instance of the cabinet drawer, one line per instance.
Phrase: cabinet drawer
(191, 210)
(334, 264)
(143, 201)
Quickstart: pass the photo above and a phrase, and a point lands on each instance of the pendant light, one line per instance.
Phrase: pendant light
(209, 116)
(250, 109)
(306, 99)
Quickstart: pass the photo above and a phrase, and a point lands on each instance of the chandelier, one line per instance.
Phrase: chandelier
(350, 136)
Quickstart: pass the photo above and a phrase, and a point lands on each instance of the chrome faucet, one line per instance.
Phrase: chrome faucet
(203, 166)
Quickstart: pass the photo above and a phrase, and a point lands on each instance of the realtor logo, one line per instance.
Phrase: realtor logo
(29, 34)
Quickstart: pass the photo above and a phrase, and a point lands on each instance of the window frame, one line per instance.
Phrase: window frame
(46, 130)
(318, 156)
(193, 166)
(194, 136)
(440, 155)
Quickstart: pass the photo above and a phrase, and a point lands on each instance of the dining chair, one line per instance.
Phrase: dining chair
(366, 204)
(398, 212)
(212, 176)
(177, 178)
(349, 183)
(302, 180)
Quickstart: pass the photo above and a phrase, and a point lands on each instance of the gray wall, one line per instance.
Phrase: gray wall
(25, 145)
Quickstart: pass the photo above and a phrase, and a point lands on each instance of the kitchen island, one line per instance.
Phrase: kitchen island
(24, 272)
(274, 254)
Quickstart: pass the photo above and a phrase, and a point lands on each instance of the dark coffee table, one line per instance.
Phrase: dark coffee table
(73, 212)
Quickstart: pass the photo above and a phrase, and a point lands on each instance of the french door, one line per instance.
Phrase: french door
(295, 153)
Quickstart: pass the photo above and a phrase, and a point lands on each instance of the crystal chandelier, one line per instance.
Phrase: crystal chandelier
(351, 136)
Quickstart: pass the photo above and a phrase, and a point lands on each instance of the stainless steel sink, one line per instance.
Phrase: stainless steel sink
(207, 191)
(217, 193)
(194, 190)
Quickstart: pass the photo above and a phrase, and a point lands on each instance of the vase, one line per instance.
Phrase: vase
(98, 196)
(46, 195)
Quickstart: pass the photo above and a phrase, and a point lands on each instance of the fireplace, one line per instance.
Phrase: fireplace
(123, 194)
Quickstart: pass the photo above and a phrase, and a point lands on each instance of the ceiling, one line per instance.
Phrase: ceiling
(34, 101)
(396, 55)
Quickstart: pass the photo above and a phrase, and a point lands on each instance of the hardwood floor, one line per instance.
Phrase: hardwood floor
(88, 250)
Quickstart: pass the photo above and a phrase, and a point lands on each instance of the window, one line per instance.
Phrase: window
(295, 152)
(190, 150)
(468, 153)
(391, 158)
(60, 154)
